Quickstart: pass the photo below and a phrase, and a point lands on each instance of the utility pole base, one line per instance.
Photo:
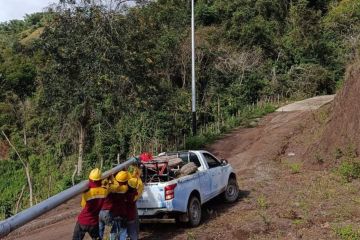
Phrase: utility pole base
(194, 123)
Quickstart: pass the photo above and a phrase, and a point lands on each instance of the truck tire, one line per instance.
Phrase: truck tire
(231, 192)
(194, 211)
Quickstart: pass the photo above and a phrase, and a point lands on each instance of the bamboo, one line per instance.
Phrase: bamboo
(19, 200)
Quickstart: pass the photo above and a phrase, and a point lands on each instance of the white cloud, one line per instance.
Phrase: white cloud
(16, 9)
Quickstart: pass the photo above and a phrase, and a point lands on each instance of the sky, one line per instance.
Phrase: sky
(16, 9)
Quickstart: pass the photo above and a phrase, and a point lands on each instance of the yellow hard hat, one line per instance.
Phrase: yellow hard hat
(123, 188)
(122, 176)
(133, 182)
(95, 174)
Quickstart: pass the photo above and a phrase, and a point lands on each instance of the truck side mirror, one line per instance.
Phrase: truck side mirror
(224, 162)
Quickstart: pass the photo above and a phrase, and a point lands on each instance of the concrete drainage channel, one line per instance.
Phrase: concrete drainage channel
(307, 104)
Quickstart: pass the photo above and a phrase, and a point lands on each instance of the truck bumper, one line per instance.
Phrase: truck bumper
(153, 211)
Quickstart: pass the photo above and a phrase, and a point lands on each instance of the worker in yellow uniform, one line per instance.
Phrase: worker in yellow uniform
(105, 217)
(91, 202)
(118, 205)
(136, 188)
(135, 172)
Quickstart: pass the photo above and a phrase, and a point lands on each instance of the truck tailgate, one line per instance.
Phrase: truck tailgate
(152, 197)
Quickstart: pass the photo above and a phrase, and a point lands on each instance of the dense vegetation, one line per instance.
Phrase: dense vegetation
(84, 84)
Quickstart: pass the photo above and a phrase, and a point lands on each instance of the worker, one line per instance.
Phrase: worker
(118, 205)
(135, 185)
(135, 172)
(105, 217)
(91, 202)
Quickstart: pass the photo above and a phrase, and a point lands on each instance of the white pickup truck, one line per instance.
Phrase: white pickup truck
(181, 197)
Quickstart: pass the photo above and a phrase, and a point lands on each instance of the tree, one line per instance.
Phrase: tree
(83, 67)
(26, 168)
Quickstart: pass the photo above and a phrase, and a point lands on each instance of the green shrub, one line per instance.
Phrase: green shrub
(295, 168)
(212, 131)
(347, 233)
(195, 142)
(349, 170)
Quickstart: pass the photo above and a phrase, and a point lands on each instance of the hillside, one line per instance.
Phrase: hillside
(87, 83)
(341, 134)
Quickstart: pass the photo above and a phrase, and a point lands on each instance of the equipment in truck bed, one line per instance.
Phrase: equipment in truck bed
(168, 166)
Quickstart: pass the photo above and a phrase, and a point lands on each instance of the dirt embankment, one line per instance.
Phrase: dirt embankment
(342, 129)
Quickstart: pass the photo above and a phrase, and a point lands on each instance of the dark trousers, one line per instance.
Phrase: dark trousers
(132, 230)
(81, 230)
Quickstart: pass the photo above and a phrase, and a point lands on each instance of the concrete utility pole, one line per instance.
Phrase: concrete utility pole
(193, 86)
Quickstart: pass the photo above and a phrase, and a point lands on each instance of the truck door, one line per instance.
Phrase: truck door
(215, 171)
(204, 177)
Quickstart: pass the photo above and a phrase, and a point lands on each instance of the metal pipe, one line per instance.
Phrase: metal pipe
(20, 219)
(193, 86)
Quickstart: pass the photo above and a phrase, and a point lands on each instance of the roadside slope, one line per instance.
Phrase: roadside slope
(342, 131)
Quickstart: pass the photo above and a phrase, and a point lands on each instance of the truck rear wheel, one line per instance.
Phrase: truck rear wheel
(194, 211)
(231, 193)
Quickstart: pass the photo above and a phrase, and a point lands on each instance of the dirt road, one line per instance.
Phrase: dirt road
(269, 207)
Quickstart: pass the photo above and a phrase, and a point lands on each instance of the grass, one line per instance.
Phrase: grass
(266, 220)
(347, 233)
(349, 167)
(321, 116)
(298, 222)
(295, 168)
(211, 132)
(261, 202)
(190, 236)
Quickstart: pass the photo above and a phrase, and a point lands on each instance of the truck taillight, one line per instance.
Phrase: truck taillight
(169, 191)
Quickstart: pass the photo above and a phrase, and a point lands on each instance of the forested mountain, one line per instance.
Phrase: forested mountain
(88, 82)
